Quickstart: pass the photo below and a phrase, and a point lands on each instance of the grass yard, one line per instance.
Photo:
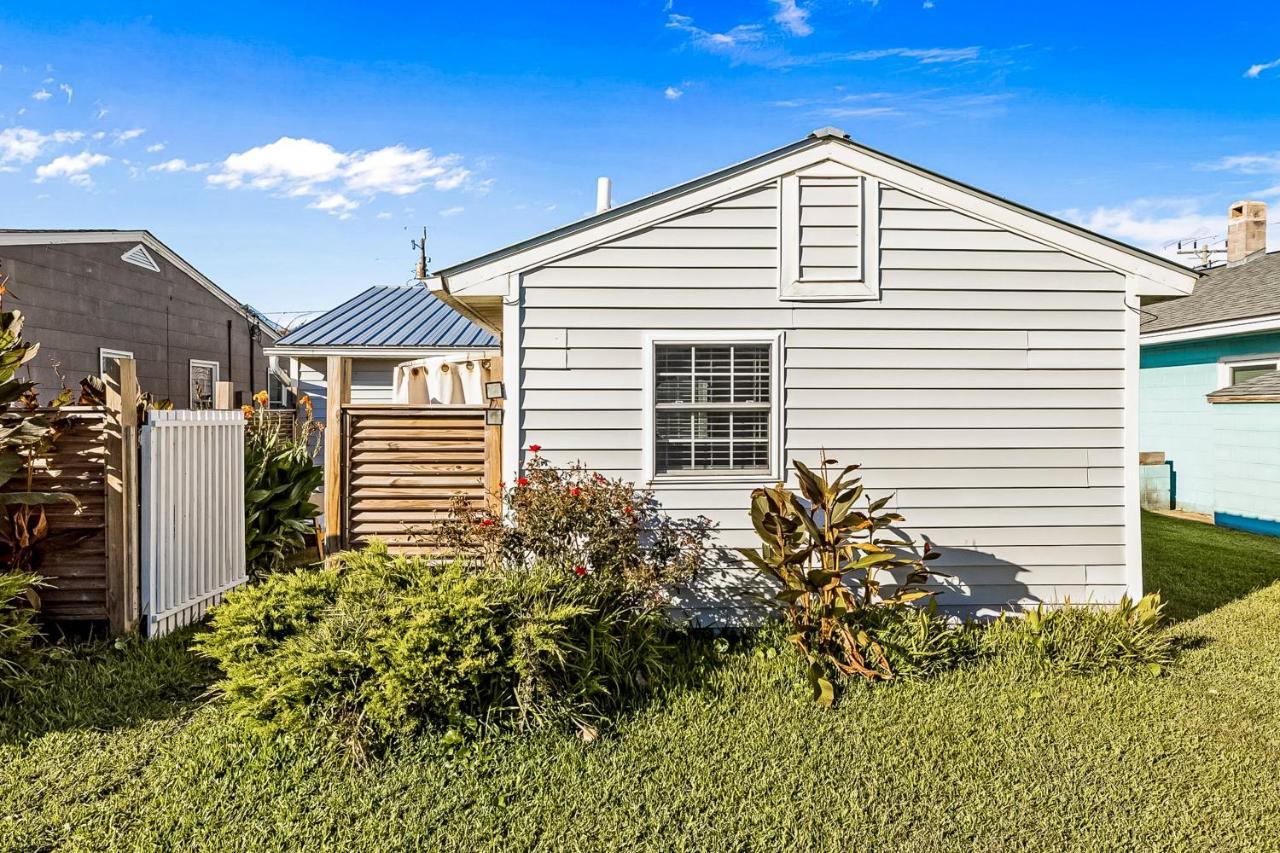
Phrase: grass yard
(121, 752)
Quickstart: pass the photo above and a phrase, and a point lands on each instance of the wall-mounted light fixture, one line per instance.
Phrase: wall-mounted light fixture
(495, 391)
(493, 417)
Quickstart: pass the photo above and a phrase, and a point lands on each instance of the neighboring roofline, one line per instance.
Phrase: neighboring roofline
(1244, 398)
(1219, 329)
(322, 351)
(816, 138)
(54, 237)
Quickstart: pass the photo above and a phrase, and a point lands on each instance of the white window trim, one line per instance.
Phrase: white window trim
(105, 353)
(191, 385)
(719, 336)
(791, 287)
(1227, 363)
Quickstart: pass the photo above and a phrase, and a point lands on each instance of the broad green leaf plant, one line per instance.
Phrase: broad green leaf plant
(280, 475)
(837, 564)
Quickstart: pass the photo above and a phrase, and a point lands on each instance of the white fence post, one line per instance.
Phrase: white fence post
(192, 514)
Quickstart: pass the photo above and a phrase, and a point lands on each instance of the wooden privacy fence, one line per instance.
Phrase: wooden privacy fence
(193, 524)
(73, 560)
(405, 465)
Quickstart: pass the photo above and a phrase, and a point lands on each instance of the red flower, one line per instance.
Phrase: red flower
(576, 492)
(523, 481)
(486, 522)
(599, 477)
(629, 510)
(502, 484)
(534, 448)
(580, 571)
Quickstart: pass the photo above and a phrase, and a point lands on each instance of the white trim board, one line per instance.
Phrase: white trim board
(402, 353)
(1145, 275)
(146, 238)
(1221, 329)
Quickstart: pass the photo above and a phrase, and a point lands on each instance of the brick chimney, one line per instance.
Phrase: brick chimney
(1246, 230)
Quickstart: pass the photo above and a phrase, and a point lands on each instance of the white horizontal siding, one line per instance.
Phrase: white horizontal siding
(985, 388)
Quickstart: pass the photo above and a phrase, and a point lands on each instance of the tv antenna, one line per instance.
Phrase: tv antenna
(421, 246)
(1203, 249)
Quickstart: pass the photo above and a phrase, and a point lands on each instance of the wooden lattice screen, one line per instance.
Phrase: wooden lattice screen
(404, 465)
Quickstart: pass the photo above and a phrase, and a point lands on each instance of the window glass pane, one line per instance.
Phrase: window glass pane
(1244, 374)
(713, 410)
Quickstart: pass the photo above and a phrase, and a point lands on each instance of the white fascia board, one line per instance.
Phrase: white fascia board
(492, 279)
(1146, 277)
(1143, 276)
(1225, 328)
(64, 238)
(403, 353)
(440, 289)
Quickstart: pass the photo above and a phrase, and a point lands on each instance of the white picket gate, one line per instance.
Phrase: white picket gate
(192, 514)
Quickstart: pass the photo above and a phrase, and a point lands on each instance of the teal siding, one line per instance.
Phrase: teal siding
(1225, 457)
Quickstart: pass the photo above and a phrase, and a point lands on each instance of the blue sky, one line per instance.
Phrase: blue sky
(291, 150)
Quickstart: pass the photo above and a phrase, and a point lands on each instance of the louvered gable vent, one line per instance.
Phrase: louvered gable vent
(828, 220)
(140, 257)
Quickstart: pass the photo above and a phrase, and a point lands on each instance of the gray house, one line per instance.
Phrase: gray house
(91, 295)
(978, 358)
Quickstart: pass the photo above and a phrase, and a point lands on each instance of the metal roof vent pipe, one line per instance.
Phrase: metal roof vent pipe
(603, 191)
(1246, 231)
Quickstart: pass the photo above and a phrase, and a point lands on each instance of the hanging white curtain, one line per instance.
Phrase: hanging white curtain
(439, 381)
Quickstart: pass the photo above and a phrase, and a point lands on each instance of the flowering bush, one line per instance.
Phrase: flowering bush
(582, 522)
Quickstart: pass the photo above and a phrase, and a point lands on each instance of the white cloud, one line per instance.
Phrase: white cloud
(41, 94)
(178, 165)
(66, 89)
(121, 136)
(792, 17)
(928, 4)
(452, 211)
(742, 34)
(1154, 224)
(1255, 71)
(923, 55)
(384, 215)
(337, 181)
(920, 106)
(401, 171)
(155, 148)
(1248, 164)
(22, 144)
(671, 93)
(75, 168)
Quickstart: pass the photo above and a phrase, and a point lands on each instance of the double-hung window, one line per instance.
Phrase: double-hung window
(713, 408)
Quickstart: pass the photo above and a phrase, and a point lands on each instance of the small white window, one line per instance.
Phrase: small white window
(105, 355)
(204, 378)
(712, 408)
(1233, 371)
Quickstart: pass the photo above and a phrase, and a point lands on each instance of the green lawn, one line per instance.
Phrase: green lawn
(124, 753)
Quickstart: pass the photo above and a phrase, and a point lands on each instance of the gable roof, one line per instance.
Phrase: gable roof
(818, 138)
(1264, 388)
(64, 236)
(1240, 292)
(390, 316)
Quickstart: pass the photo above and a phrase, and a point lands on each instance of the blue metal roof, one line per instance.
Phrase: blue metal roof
(390, 316)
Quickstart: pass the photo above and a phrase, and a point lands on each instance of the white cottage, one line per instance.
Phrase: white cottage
(978, 358)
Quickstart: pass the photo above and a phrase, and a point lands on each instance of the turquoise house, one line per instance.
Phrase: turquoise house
(1210, 388)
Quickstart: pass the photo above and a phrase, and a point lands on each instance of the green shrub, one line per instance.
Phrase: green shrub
(280, 475)
(578, 646)
(18, 630)
(375, 647)
(918, 642)
(1082, 639)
